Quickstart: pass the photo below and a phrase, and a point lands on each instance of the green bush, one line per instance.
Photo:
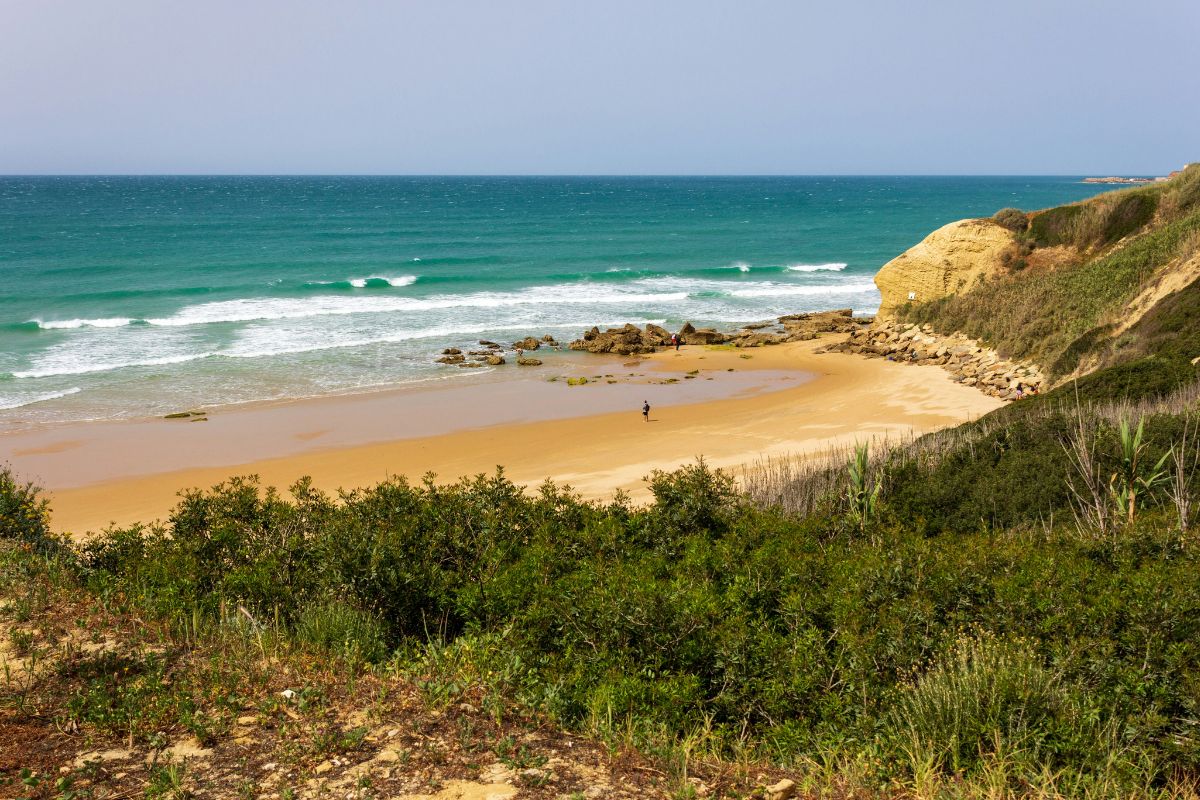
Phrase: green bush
(342, 630)
(1014, 219)
(24, 513)
(984, 699)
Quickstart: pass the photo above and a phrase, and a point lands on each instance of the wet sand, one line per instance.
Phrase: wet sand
(782, 400)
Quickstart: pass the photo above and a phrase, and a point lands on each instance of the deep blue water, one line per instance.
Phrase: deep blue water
(129, 296)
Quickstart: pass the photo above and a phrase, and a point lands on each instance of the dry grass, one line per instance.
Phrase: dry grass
(816, 484)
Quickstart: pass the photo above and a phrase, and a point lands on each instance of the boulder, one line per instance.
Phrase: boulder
(451, 359)
(529, 362)
(658, 335)
(528, 343)
(451, 351)
(626, 340)
(486, 343)
(495, 360)
(703, 336)
(755, 339)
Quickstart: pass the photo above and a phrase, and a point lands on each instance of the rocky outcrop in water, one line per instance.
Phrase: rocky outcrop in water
(629, 339)
(625, 341)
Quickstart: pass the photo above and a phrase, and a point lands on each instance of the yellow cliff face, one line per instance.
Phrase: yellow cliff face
(952, 259)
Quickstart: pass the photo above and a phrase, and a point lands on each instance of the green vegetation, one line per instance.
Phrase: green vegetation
(932, 614)
(1067, 316)
(1012, 218)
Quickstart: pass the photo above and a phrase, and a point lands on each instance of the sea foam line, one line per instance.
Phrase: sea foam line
(438, 333)
(836, 266)
(648, 291)
(7, 403)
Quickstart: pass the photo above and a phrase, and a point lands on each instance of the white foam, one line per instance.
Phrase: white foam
(84, 367)
(269, 342)
(7, 403)
(252, 310)
(67, 324)
(832, 267)
(784, 290)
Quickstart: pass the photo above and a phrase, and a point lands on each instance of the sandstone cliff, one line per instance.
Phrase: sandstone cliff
(952, 259)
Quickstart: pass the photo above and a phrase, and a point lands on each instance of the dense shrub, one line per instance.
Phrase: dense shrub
(1014, 219)
(987, 700)
(342, 630)
(24, 513)
(701, 611)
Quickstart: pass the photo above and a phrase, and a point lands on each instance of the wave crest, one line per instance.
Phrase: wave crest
(7, 403)
(837, 266)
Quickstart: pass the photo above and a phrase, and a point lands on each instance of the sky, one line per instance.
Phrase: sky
(1062, 87)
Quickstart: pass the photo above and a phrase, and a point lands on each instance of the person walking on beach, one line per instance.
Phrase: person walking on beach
(675, 341)
(646, 410)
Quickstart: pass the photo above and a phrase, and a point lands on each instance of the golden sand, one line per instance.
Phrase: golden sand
(790, 401)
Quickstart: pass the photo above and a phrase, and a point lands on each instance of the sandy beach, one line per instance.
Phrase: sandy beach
(730, 406)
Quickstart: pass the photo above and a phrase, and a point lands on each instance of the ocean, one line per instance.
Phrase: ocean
(127, 297)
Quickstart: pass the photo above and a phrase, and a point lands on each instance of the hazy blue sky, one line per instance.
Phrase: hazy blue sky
(745, 86)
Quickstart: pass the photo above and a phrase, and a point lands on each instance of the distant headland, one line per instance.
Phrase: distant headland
(1115, 179)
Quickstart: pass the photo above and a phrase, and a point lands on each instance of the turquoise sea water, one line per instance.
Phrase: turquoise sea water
(135, 296)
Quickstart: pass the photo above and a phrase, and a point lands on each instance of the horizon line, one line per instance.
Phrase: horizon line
(1146, 175)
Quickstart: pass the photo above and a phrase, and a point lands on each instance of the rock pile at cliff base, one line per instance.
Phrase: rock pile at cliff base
(967, 361)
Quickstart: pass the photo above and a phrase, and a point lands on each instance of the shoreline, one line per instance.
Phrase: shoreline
(783, 400)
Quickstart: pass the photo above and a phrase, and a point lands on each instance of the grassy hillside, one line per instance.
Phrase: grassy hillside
(1074, 272)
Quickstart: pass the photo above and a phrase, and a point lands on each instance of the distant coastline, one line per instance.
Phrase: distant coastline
(1134, 179)
(1115, 179)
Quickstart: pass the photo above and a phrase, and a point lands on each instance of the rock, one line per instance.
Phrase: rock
(625, 341)
(529, 362)
(752, 339)
(452, 359)
(548, 339)
(451, 351)
(487, 343)
(782, 790)
(657, 335)
(474, 365)
(528, 343)
(323, 767)
(951, 259)
(576, 381)
(701, 335)
(495, 360)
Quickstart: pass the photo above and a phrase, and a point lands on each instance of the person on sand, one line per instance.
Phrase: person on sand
(646, 410)
(675, 341)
